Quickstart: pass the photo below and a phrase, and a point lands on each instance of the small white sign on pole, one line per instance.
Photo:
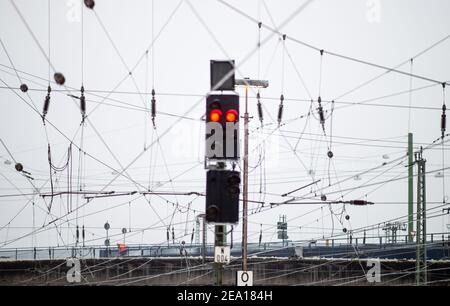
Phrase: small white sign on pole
(244, 278)
(222, 254)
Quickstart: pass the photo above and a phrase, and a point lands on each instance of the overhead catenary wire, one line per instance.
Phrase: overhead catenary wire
(60, 218)
(258, 95)
(330, 139)
(153, 101)
(364, 102)
(142, 57)
(280, 107)
(409, 60)
(23, 86)
(349, 58)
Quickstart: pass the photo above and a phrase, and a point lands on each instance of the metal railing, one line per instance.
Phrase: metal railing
(195, 250)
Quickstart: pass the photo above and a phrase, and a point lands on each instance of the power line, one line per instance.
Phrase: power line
(398, 66)
(242, 13)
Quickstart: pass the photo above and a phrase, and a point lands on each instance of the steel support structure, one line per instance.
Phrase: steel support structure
(421, 223)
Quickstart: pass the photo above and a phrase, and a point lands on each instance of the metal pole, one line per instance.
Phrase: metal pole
(204, 238)
(220, 233)
(421, 248)
(245, 195)
(247, 83)
(410, 188)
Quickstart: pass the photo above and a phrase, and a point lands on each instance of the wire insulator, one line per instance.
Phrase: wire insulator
(46, 102)
(78, 233)
(153, 107)
(280, 110)
(321, 115)
(260, 111)
(83, 103)
(260, 235)
(443, 120)
(173, 235)
(49, 155)
(46, 105)
(320, 109)
(280, 113)
(82, 233)
(360, 202)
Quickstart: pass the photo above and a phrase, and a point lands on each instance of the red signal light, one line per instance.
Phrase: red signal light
(231, 115)
(215, 115)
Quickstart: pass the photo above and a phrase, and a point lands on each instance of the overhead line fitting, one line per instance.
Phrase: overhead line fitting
(24, 87)
(59, 78)
(153, 108)
(321, 114)
(259, 29)
(443, 116)
(358, 202)
(46, 104)
(89, 4)
(280, 109)
(82, 104)
(260, 111)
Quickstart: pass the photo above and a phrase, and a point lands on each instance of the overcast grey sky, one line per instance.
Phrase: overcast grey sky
(382, 32)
